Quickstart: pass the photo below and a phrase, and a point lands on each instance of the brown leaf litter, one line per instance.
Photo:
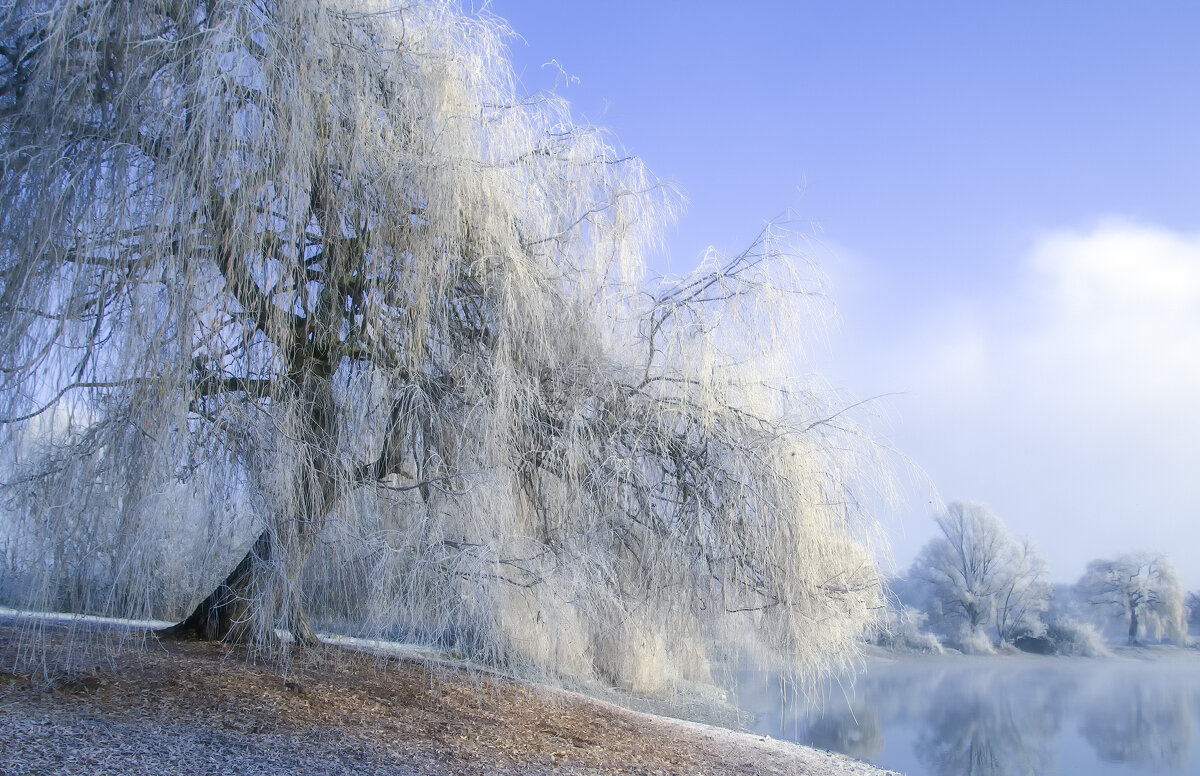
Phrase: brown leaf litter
(200, 708)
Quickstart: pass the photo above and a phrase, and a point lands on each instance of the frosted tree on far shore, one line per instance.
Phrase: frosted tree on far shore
(1142, 589)
(309, 319)
(975, 575)
(1024, 594)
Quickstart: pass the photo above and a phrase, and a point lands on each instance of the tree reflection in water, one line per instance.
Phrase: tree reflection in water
(987, 725)
(1140, 723)
(1005, 716)
(852, 731)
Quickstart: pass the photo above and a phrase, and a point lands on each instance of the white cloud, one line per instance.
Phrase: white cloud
(1068, 400)
(1123, 317)
(1119, 268)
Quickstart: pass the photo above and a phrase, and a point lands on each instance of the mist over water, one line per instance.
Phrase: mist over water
(999, 716)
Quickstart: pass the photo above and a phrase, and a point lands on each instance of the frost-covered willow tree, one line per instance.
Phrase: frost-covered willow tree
(1142, 589)
(302, 296)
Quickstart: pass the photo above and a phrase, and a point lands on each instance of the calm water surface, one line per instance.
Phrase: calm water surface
(1002, 716)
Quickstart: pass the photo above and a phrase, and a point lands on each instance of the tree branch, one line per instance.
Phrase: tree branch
(241, 283)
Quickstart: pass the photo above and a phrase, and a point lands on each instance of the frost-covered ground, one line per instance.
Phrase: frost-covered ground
(198, 708)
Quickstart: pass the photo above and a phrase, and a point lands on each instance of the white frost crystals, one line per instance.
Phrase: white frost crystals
(1143, 590)
(975, 575)
(313, 272)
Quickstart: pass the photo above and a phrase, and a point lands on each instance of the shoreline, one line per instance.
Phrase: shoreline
(189, 707)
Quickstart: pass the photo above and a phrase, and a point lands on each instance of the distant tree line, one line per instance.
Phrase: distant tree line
(977, 588)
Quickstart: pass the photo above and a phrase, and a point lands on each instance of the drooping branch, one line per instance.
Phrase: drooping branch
(275, 324)
(392, 315)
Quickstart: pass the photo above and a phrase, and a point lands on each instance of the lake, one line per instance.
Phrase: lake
(999, 716)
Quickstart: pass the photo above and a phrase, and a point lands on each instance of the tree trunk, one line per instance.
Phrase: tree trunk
(246, 606)
(1133, 626)
(234, 611)
(227, 613)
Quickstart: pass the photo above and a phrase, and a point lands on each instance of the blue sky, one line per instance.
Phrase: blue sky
(1005, 197)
